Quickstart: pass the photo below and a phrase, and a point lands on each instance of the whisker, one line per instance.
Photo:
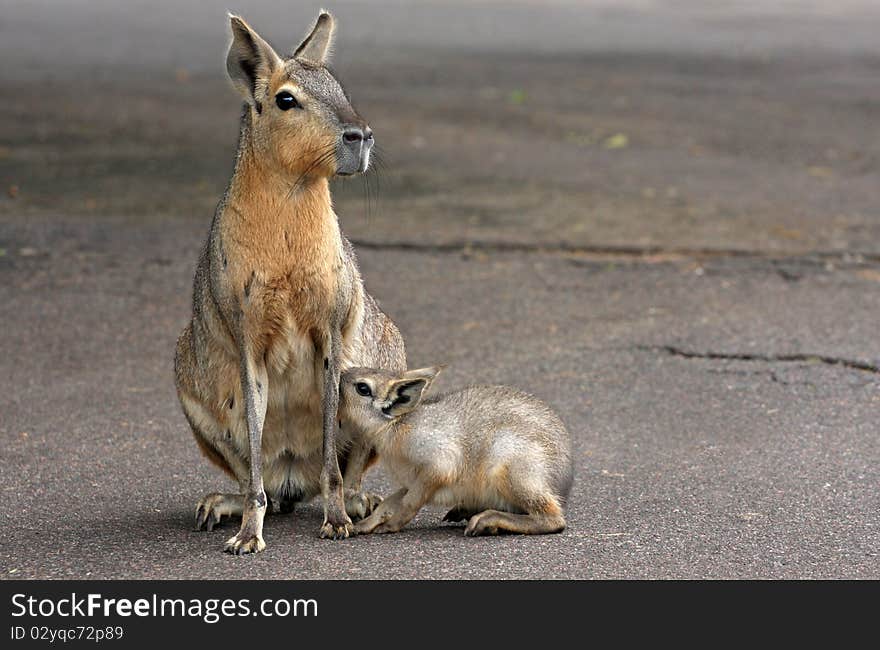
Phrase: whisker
(369, 209)
(371, 187)
(323, 157)
(381, 161)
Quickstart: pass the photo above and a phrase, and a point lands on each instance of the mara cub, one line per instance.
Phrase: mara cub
(496, 456)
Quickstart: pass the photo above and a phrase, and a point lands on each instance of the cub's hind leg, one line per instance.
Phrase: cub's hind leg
(542, 519)
(492, 522)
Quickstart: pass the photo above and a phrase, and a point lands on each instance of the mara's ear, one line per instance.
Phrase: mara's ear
(406, 393)
(316, 47)
(250, 61)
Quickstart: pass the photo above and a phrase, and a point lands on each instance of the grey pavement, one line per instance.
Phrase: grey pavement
(659, 217)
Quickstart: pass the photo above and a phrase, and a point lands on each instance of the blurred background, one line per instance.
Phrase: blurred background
(660, 216)
(642, 123)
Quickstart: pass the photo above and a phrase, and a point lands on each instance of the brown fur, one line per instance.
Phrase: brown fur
(279, 308)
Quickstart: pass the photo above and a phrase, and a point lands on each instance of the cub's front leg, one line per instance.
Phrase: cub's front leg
(383, 512)
(358, 504)
(396, 511)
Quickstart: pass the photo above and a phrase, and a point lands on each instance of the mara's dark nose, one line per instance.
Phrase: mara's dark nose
(353, 152)
(353, 134)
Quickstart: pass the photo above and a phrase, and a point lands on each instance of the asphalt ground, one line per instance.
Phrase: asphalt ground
(659, 218)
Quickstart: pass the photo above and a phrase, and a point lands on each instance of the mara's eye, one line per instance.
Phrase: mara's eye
(363, 389)
(286, 101)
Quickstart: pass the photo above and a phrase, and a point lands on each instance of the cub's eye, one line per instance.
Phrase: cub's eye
(363, 389)
(286, 101)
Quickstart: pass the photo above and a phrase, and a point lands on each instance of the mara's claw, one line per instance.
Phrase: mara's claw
(241, 545)
(213, 507)
(333, 530)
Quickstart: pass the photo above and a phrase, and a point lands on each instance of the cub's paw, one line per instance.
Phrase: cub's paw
(484, 523)
(387, 527)
(243, 544)
(359, 505)
(363, 527)
(215, 506)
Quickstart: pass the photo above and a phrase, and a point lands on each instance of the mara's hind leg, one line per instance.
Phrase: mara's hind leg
(214, 440)
(547, 518)
(213, 507)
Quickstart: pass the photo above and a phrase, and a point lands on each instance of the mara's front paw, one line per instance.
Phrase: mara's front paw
(359, 505)
(250, 538)
(244, 543)
(336, 527)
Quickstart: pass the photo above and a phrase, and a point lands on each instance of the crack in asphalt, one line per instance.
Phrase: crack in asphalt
(767, 358)
(770, 374)
(634, 252)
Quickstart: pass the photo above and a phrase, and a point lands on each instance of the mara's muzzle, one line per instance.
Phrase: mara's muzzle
(353, 150)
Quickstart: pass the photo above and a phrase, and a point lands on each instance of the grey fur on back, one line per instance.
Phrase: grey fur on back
(382, 344)
(477, 410)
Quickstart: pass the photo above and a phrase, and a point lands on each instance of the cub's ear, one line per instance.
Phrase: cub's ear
(250, 62)
(315, 49)
(406, 393)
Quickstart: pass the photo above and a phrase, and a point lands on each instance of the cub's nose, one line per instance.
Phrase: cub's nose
(355, 134)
